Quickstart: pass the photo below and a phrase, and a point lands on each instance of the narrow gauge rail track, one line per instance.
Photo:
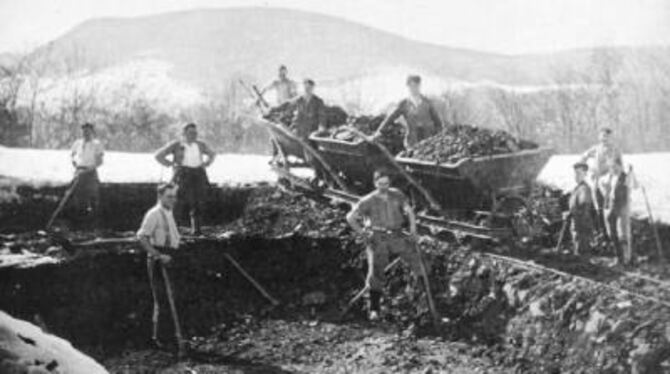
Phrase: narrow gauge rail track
(665, 301)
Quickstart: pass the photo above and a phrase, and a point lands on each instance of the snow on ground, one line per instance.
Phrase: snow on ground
(53, 166)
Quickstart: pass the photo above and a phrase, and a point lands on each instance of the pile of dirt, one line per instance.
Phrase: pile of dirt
(271, 212)
(456, 142)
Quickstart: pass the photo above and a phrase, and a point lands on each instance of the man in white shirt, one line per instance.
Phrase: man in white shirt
(190, 157)
(616, 186)
(602, 155)
(285, 88)
(158, 234)
(87, 155)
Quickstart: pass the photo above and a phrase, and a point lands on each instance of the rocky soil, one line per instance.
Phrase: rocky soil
(530, 311)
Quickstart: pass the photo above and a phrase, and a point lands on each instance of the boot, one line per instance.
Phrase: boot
(374, 306)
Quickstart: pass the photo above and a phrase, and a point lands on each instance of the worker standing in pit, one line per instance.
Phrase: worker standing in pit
(419, 114)
(602, 154)
(87, 156)
(159, 236)
(581, 211)
(190, 157)
(285, 88)
(615, 187)
(383, 212)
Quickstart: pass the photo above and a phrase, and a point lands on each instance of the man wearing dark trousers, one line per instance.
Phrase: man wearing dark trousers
(383, 213)
(158, 236)
(581, 211)
(190, 157)
(87, 156)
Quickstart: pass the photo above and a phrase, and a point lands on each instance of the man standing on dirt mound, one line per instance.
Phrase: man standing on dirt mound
(190, 157)
(87, 155)
(602, 154)
(419, 114)
(383, 213)
(285, 88)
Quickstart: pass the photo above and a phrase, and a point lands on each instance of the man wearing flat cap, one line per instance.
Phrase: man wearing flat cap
(87, 155)
(189, 158)
(310, 112)
(419, 113)
(581, 211)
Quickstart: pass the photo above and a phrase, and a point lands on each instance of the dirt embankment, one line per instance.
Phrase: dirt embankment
(501, 316)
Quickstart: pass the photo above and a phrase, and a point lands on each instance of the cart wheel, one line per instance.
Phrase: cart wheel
(517, 215)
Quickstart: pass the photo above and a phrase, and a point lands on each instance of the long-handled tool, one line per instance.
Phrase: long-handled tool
(427, 287)
(365, 289)
(391, 160)
(251, 280)
(561, 235)
(659, 245)
(64, 200)
(308, 148)
(173, 310)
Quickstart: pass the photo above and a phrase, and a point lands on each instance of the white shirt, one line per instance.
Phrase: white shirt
(85, 153)
(192, 155)
(160, 227)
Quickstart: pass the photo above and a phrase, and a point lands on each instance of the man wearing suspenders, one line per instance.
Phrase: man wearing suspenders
(190, 157)
(158, 235)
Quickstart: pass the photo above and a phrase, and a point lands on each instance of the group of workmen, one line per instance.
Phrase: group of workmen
(600, 203)
(599, 206)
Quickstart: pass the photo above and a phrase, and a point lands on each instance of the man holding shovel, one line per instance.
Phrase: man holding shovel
(87, 156)
(158, 235)
(383, 212)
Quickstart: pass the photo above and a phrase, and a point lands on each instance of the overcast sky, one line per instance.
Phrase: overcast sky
(507, 26)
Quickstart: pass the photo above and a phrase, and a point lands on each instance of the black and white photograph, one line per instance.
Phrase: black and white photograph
(343, 187)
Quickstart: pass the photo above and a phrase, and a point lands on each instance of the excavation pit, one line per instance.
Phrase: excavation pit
(499, 318)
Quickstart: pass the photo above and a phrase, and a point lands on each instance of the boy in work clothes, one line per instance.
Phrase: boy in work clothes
(190, 157)
(158, 234)
(87, 156)
(383, 212)
(581, 211)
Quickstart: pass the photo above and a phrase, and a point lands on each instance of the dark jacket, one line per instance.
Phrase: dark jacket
(308, 116)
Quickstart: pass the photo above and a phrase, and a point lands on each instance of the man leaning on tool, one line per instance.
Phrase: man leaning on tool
(616, 187)
(419, 114)
(383, 212)
(158, 235)
(87, 156)
(601, 154)
(581, 211)
(190, 157)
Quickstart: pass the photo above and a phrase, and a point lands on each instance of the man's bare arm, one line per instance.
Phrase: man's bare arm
(353, 218)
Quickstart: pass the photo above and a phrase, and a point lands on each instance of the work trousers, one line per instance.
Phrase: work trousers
(581, 229)
(619, 231)
(86, 197)
(192, 193)
(379, 249)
